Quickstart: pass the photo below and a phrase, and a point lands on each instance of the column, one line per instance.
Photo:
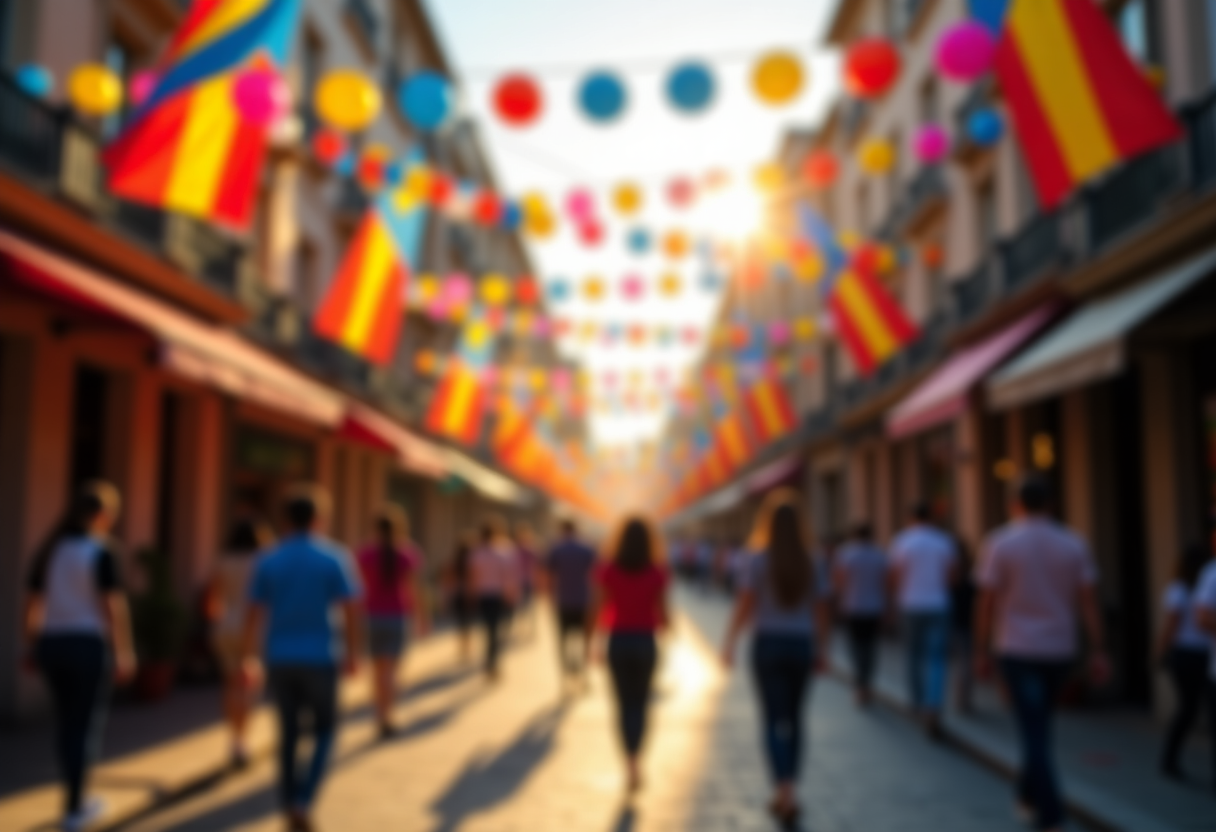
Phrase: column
(969, 476)
(1076, 457)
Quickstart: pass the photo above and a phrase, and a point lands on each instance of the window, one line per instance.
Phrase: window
(928, 100)
(985, 215)
(306, 284)
(119, 60)
(90, 425)
(1209, 35)
(312, 64)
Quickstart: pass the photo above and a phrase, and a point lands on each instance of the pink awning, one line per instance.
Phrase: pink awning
(200, 351)
(415, 454)
(943, 395)
(774, 474)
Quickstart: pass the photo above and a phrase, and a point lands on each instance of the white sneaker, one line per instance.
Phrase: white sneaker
(90, 812)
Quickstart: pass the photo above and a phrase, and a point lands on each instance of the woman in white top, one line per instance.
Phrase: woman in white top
(1184, 650)
(78, 633)
(228, 596)
(495, 582)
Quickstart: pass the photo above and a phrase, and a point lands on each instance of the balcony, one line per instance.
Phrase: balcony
(972, 293)
(1131, 196)
(1034, 251)
(1200, 119)
(49, 150)
(364, 22)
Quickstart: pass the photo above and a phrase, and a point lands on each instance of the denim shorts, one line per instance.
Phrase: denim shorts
(386, 635)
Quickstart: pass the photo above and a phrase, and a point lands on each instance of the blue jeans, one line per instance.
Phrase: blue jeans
(632, 658)
(77, 671)
(1034, 688)
(493, 614)
(781, 665)
(928, 653)
(298, 690)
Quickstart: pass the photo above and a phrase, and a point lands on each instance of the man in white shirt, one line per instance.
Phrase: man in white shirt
(1205, 603)
(1037, 580)
(923, 565)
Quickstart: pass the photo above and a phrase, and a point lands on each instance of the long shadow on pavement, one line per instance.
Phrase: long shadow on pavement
(490, 780)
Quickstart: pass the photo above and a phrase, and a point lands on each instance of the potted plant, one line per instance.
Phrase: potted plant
(159, 621)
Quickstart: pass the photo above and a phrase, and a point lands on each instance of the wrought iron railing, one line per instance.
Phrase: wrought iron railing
(1200, 119)
(972, 292)
(1132, 195)
(1033, 251)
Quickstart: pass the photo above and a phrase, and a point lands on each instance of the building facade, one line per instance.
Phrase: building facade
(1076, 342)
(177, 360)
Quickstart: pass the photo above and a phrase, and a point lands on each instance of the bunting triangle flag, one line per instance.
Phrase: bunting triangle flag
(362, 309)
(1080, 104)
(187, 149)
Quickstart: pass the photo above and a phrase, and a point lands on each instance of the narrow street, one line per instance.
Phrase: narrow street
(519, 756)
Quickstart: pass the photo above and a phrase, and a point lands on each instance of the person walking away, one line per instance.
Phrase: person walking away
(78, 634)
(861, 586)
(295, 588)
(1184, 651)
(786, 599)
(494, 580)
(1036, 578)
(570, 566)
(459, 581)
(923, 569)
(1205, 605)
(228, 594)
(962, 620)
(631, 607)
(390, 566)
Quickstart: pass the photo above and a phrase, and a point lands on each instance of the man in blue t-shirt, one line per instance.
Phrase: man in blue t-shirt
(294, 591)
(570, 564)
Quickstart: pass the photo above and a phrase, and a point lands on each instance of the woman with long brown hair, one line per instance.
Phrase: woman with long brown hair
(631, 606)
(785, 598)
(390, 566)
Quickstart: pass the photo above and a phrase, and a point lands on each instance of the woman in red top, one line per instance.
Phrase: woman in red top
(631, 605)
(390, 568)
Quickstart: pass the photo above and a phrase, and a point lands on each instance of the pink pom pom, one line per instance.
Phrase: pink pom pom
(931, 144)
(261, 97)
(966, 51)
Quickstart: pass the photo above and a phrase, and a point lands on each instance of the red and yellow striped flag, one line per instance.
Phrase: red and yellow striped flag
(870, 322)
(1080, 104)
(733, 442)
(770, 410)
(458, 407)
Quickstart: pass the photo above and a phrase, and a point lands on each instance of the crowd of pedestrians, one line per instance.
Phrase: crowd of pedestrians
(293, 615)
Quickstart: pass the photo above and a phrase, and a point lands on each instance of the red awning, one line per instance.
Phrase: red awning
(362, 424)
(206, 353)
(943, 395)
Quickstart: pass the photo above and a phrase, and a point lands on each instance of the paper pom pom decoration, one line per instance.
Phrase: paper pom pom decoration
(821, 168)
(965, 51)
(526, 290)
(876, 157)
(495, 290)
(558, 290)
(871, 66)
(261, 96)
(932, 256)
(669, 285)
(591, 234)
(426, 99)
(627, 199)
(143, 84)
(777, 78)
(931, 144)
(710, 282)
(985, 127)
(457, 290)
(35, 80)
(778, 333)
(690, 87)
(768, 177)
(680, 192)
(804, 329)
(580, 205)
(639, 241)
(94, 89)
(633, 288)
(346, 100)
(593, 289)
(328, 146)
(808, 266)
(487, 208)
(518, 100)
(675, 244)
(602, 97)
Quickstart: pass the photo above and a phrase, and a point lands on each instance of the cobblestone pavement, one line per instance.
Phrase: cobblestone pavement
(520, 756)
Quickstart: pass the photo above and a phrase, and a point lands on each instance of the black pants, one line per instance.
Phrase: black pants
(77, 670)
(572, 640)
(632, 658)
(863, 632)
(1034, 687)
(781, 665)
(1189, 672)
(310, 693)
(493, 610)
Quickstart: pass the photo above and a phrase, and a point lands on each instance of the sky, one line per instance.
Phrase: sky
(558, 42)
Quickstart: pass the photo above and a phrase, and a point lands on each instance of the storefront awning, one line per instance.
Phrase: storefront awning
(415, 454)
(759, 481)
(491, 485)
(1091, 345)
(213, 356)
(943, 395)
